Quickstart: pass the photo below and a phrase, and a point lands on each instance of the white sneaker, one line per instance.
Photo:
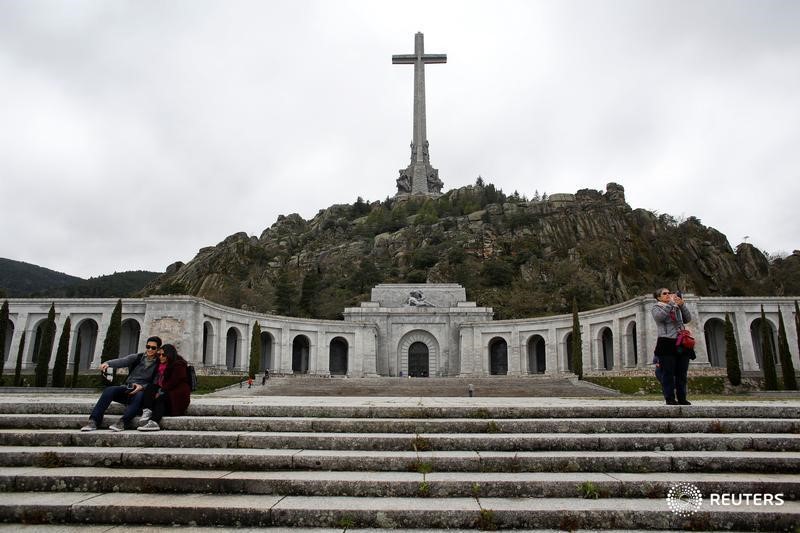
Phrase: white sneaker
(118, 426)
(91, 426)
(150, 426)
(146, 415)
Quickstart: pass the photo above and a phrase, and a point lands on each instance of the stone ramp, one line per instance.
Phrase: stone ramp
(496, 386)
(393, 463)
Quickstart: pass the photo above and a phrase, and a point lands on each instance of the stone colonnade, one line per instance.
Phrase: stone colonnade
(460, 340)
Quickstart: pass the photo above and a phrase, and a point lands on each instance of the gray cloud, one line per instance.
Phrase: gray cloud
(142, 131)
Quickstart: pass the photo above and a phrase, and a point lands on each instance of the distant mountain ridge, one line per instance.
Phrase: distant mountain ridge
(19, 279)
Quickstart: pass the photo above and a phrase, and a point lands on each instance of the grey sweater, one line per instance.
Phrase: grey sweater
(141, 374)
(670, 318)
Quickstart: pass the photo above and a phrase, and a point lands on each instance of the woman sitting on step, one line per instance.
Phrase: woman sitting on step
(169, 394)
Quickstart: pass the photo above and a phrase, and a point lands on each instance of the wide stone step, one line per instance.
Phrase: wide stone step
(388, 512)
(406, 408)
(395, 484)
(434, 425)
(406, 441)
(402, 461)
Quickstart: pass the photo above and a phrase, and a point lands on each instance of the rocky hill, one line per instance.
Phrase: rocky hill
(524, 258)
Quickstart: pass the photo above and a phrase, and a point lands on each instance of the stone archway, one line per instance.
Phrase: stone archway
(714, 332)
(6, 348)
(404, 354)
(631, 344)
(266, 351)
(498, 357)
(755, 335)
(232, 348)
(85, 343)
(537, 360)
(607, 348)
(301, 347)
(568, 352)
(337, 362)
(129, 336)
(208, 344)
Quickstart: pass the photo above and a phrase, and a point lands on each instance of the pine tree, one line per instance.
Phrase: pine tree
(255, 350)
(46, 348)
(309, 292)
(62, 354)
(20, 355)
(767, 355)
(577, 344)
(283, 294)
(785, 356)
(732, 354)
(4, 321)
(111, 342)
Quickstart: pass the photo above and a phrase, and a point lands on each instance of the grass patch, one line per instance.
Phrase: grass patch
(649, 384)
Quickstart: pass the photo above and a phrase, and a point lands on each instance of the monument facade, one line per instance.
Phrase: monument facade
(419, 177)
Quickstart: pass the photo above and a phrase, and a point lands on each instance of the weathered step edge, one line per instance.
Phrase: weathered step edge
(481, 513)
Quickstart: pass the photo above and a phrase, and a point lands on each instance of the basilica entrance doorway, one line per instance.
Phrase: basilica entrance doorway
(418, 360)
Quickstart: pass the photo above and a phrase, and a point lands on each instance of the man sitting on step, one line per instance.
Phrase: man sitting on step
(141, 369)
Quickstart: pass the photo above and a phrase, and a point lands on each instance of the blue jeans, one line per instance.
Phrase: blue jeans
(117, 394)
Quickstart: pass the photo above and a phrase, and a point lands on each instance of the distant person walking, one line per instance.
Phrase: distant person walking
(265, 378)
(141, 370)
(670, 313)
(170, 393)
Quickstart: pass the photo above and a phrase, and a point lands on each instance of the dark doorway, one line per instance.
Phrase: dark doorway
(537, 363)
(714, 331)
(266, 352)
(337, 363)
(418, 360)
(498, 357)
(300, 349)
(608, 349)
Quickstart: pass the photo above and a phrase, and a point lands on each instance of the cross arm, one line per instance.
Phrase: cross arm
(410, 59)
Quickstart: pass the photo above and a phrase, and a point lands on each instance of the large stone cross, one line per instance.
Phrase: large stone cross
(420, 176)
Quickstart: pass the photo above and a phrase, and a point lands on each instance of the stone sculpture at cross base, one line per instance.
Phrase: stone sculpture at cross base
(419, 177)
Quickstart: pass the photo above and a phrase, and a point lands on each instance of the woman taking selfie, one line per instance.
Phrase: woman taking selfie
(670, 313)
(169, 394)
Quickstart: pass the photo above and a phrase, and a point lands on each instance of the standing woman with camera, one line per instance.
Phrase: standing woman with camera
(670, 314)
(170, 393)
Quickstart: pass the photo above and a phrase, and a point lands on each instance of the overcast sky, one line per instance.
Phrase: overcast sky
(132, 134)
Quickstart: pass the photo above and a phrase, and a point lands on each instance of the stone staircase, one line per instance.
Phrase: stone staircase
(464, 463)
(484, 387)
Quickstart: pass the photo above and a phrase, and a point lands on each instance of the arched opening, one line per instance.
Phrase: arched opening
(498, 357)
(37, 341)
(300, 350)
(7, 346)
(208, 344)
(232, 349)
(714, 331)
(633, 349)
(266, 351)
(337, 362)
(755, 334)
(607, 343)
(537, 363)
(129, 336)
(418, 360)
(85, 343)
(568, 351)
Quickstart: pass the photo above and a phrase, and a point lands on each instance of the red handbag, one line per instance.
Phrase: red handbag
(685, 340)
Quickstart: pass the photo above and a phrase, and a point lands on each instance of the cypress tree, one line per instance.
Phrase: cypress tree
(18, 368)
(731, 354)
(46, 348)
(770, 374)
(577, 344)
(785, 356)
(255, 350)
(62, 354)
(76, 364)
(797, 324)
(3, 328)
(111, 342)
